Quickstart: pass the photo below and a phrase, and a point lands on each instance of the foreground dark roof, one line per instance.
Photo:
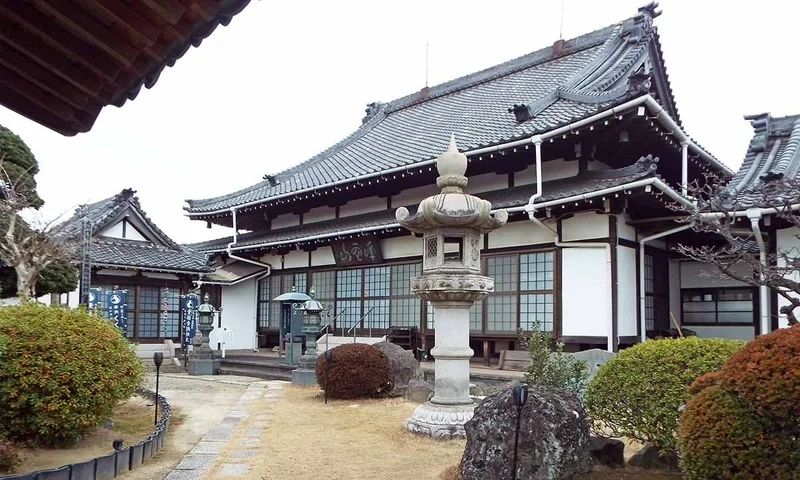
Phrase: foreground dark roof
(771, 167)
(590, 181)
(517, 99)
(62, 61)
(161, 253)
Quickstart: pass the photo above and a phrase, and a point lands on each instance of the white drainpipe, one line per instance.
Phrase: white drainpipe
(607, 247)
(229, 248)
(754, 215)
(685, 168)
(642, 296)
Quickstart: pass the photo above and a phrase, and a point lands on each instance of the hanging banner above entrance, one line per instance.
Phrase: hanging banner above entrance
(117, 307)
(357, 251)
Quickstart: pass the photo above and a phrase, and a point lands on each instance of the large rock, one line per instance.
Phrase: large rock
(418, 391)
(653, 458)
(403, 367)
(607, 451)
(553, 437)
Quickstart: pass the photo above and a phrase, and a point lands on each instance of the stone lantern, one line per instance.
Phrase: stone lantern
(202, 361)
(451, 223)
(311, 309)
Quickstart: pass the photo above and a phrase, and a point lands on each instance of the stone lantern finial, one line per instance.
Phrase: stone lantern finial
(452, 167)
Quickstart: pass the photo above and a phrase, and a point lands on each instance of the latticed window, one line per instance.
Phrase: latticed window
(501, 306)
(536, 291)
(145, 311)
(324, 284)
(405, 307)
(649, 304)
(376, 297)
(262, 303)
(348, 296)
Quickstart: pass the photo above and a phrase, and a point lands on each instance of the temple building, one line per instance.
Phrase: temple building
(130, 252)
(581, 143)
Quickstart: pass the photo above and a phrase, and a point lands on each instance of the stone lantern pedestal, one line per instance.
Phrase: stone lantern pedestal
(452, 223)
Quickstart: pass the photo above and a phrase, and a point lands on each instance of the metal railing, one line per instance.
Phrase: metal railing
(328, 326)
(359, 322)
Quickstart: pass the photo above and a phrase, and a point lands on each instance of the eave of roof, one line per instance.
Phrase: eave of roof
(62, 63)
(513, 198)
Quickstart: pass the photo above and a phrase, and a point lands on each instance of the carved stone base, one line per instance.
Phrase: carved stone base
(440, 421)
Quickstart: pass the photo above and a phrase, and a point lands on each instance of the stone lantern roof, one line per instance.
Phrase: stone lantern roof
(452, 207)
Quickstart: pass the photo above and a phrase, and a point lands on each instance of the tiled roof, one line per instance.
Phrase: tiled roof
(164, 253)
(132, 254)
(517, 99)
(773, 157)
(587, 182)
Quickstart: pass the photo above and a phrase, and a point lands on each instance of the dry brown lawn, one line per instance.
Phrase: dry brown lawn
(358, 439)
(133, 421)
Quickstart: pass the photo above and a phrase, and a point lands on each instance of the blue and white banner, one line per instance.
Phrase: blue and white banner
(95, 294)
(189, 305)
(117, 306)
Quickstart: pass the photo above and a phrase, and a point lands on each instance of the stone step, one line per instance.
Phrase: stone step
(266, 374)
(336, 340)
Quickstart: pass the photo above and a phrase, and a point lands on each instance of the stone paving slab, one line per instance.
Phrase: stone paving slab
(203, 456)
(240, 453)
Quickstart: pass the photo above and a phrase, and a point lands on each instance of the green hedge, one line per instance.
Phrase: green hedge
(639, 393)
(62, 372)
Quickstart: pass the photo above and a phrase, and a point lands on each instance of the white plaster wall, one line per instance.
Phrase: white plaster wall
(319, 215)
(239, 314)
(487, 182)
(362, 205)
(400, 247)
(586, 292)
(521, 233)
(114, 231)
(584, 226)
(787, 242)
(551, 170)
(295, 259)
(322, 256)
(624, 230)
(132, 234)
(706, 275)
(739, 333)
(285, 220)
(626, 291)
(413, 196)
(273, 260)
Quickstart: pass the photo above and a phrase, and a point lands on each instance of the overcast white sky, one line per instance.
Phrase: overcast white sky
(286, 80)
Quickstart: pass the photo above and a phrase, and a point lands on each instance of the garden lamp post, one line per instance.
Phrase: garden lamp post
(158, 359)
(520, 394)
(202, 361)
(306, 374)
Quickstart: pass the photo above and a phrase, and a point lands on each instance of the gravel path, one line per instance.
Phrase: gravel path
(198, 404)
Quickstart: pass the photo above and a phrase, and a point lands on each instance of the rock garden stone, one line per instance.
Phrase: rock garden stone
(653, 458)
(418, 391)
(553, 437)
(403, 367)
(609, 452)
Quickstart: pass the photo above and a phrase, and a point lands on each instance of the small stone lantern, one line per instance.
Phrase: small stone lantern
(202, 361)
(311, 309)
(452, 223)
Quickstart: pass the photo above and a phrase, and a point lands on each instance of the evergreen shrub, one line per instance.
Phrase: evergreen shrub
(62, 371)
(742, 422)
(9, 457)
(639, 393)
(357, 370)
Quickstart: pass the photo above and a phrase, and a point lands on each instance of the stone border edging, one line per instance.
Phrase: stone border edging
(115, 463)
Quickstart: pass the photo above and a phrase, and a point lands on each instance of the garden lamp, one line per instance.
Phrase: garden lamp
(158, 359)
(520, 396)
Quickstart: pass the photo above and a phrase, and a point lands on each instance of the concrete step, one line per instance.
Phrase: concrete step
(266, 374)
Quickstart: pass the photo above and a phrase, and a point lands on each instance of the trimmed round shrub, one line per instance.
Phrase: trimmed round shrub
(742, 421)
(766, 375)
(721, 438)
(357, 370)
(639, 393)
(9, 457)
(62, 371)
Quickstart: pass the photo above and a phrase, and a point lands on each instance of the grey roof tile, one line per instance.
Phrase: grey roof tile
(591, 74)
(166, 254)
(772, 159)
